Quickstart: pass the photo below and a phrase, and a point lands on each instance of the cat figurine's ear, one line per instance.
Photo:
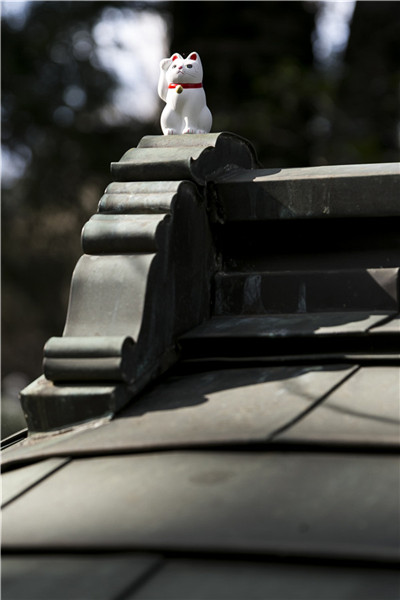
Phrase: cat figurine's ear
(193, 56)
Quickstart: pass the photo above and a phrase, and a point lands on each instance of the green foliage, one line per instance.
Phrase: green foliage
(365, 116)
(259, 75)
(54, 90)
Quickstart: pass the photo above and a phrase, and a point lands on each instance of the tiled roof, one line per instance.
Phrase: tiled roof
(228, 386)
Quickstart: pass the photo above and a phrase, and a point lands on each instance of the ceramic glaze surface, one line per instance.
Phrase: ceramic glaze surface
(180, 86)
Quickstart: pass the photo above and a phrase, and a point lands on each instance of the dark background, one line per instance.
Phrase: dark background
(263, 79)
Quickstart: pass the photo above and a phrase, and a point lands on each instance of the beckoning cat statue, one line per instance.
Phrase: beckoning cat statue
(180, 86)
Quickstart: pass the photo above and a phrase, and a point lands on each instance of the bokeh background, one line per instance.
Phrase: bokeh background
(309, 83)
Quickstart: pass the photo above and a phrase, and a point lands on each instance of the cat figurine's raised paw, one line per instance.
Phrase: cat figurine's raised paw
(180, 86)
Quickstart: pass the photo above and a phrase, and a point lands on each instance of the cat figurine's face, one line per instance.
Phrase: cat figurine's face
(185, 70)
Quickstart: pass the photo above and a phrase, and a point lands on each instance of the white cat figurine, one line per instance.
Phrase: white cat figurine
(180, 86)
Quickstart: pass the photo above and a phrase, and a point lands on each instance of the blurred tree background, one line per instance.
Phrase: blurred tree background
(79, 86)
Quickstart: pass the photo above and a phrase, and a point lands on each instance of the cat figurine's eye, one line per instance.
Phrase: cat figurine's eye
(189, 66)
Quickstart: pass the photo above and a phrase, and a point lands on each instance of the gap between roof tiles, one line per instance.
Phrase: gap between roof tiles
(314, 405)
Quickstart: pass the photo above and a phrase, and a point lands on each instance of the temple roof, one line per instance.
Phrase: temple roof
(220, 418)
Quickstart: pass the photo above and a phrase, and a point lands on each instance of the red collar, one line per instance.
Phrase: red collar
(185, 85)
